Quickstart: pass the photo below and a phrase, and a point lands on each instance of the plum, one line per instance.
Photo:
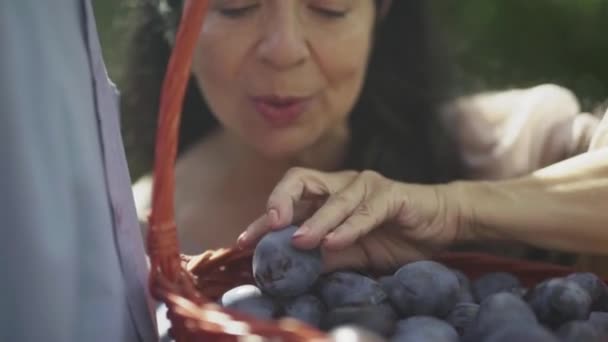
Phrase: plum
(423, 329)
(282, 270)
(557, 301)
(521, 333)
(386, 282)
(491, 283)
(497, 311)
(465, 293)
(597, 289)
(576, 331)
(349, 288)
(379, 319)
(520, 291)
(462, 316)
(424, 288)
(306, 308)
(250, 300)
(600, 321)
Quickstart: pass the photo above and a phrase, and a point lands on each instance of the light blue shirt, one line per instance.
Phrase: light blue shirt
(72, 260)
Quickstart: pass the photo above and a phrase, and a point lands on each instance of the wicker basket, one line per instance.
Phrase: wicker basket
(190, 286)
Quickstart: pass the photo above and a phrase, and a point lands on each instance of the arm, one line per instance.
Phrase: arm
(563, 206)
(527, 136)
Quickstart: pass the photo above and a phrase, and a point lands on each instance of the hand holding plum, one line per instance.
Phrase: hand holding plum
(362, 219)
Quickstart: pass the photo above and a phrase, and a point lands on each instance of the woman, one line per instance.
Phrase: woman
(333, 85)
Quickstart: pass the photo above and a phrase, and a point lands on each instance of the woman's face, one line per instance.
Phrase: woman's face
(282, 74)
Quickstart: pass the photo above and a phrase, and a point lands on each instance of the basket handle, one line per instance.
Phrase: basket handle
(163, 245)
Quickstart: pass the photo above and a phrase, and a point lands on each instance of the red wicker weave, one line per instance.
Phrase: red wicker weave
(189, 286)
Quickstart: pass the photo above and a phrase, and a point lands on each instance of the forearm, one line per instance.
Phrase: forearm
(563, 206)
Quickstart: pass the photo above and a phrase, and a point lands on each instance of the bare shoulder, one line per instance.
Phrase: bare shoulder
(196, 170)
(512, 132)
(495, 106)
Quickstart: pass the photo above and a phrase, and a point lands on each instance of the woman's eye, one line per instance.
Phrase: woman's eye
(236, 12)
(330, 13)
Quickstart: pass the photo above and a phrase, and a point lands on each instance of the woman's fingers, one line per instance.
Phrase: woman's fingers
(256, 230)
(300, 185)
(352, 257)
(354, 211)
(368, 215)
(294, 198)
(336, 209)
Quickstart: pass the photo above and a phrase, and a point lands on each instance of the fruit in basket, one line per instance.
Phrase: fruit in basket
(491, 283)
(386, 282)
(306, 308)
(421, 301)
(558, 300)
(465, 293)
(424, 328)
(600, 321)
(282, 270)
(462, 316)
(597, 289)
(349, 288)
(250, 300)
(379, 319)
(521, 333)
(577, 331)
(498, 311)
(424, 288)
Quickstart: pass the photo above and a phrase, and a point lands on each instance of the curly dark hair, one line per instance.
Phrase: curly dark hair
(395, 125)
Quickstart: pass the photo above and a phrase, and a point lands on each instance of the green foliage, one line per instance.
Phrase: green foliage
(503, 43)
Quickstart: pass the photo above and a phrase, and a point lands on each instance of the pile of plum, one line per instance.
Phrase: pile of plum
(422, 301)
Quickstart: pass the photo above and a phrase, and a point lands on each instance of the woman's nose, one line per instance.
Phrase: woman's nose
(283, 44)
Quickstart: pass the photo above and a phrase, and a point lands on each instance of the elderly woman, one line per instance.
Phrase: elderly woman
(336, 115)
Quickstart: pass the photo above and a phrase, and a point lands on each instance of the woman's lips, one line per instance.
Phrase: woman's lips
(281, 111)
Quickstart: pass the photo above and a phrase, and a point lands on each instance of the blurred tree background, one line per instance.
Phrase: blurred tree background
(496, 44)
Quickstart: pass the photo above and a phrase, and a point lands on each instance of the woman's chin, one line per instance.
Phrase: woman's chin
(280, 153)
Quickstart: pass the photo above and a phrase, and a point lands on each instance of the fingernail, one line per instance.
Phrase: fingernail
(242, 237)
(303, 230)
(273, 216)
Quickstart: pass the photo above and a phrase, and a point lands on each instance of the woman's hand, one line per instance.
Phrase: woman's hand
(362, 219)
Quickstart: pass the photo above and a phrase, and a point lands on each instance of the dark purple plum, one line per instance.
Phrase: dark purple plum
(386, 282)
(379, 319)
(349, 288)
(465, 293)
(423, 329)
(495, 282)
(250, 300)
(306, 308)
(462, 316)
(557, 301)
(578, 331)
(600, 321)
(520, 291)
(521, 333)
(424, 288)
(597, 289)
(497, 311)
(282, 270)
